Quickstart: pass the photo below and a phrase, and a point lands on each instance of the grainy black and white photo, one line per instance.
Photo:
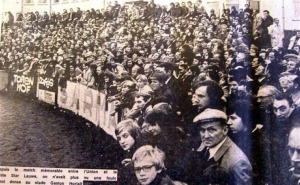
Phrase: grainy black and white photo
(171, 92)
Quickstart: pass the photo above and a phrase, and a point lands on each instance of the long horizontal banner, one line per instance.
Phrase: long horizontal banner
(86, 102)
(90, 104)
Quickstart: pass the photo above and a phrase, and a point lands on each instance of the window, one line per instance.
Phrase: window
(42, 1)
(214, 6)
(297, 9)
(28, 1)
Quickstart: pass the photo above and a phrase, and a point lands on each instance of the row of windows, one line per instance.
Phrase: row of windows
(53, 1)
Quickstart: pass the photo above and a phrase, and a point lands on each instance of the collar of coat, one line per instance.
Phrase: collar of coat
(225, 146)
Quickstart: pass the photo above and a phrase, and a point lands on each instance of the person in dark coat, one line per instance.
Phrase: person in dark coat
(128, 136)
(216, 148)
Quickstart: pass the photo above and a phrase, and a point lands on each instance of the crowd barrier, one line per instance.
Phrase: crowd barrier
(81, 100)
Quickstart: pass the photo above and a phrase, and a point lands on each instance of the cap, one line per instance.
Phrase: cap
(292, 57)
(210, 115)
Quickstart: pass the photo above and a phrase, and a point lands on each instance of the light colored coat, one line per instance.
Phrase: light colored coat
(277, 34)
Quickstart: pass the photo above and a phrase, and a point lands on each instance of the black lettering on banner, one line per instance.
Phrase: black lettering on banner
(2, 175)
(97, 178)
(88, 104)
(86, 178)
(27, 182)
(2, 181)
(45, 176)
(16, 169)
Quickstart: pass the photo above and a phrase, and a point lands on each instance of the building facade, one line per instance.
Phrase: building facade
(288, 11)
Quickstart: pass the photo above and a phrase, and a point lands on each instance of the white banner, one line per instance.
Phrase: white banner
(88, 103)
(68, 98)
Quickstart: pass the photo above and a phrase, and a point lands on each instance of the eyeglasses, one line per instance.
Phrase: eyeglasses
(145, 169)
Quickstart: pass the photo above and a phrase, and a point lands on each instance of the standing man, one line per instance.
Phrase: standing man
(266, 22)
(276, 33)
(217, 151)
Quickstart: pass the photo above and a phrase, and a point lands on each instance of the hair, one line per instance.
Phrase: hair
(130, 84)
(274, 91)
(160, 115)
(215, 93)
(230, 52)
(143, 78)
(286, 97)
(145, 96)
(244, 110)
(130, 126)
(157, 156)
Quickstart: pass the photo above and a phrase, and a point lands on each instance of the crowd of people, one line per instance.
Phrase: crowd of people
(202, 99)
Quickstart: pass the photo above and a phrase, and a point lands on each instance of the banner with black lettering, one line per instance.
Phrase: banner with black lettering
(88, 103)
(24, 84)
(68, 98)
(47, 89)
(108, 118)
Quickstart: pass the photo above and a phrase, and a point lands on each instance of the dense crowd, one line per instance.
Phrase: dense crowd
(202, 99)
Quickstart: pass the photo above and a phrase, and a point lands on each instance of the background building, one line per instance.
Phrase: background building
(288, 11)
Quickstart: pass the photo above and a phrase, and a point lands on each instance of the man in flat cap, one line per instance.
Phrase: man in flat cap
(292, 63)
(216, 149)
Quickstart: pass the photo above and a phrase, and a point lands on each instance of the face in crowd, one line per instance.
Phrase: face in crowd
(212, 133)
(294, 151)
(200, 97)
(125, 140)
(148, 162)
(236, 124)
(282, 109)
